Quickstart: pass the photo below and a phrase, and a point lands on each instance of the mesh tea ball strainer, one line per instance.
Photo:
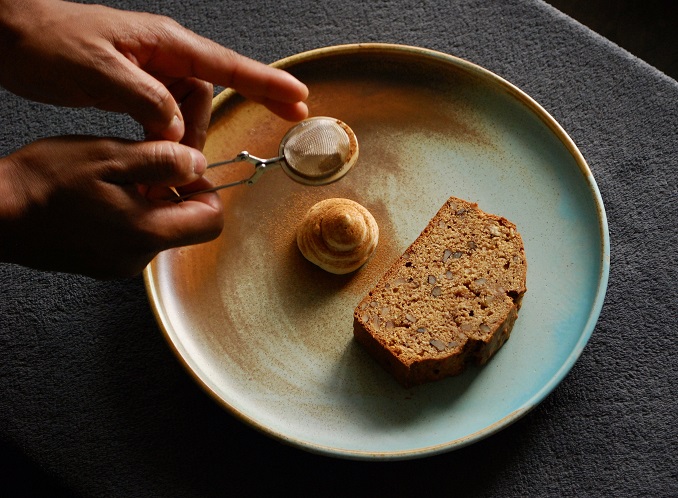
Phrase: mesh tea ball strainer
(316, 151)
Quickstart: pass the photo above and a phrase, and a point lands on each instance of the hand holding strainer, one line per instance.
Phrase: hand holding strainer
(316, 151)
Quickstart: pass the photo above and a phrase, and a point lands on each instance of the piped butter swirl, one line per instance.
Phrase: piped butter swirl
(339, 235)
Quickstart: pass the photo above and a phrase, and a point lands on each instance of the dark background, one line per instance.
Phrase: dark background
(646, 28)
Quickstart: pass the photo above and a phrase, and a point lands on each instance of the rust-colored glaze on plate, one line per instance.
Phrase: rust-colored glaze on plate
(269, 335)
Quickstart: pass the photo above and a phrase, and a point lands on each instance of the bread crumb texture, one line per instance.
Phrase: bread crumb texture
(451, 299)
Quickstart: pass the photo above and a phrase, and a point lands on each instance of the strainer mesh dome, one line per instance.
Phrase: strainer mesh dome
(317, 148)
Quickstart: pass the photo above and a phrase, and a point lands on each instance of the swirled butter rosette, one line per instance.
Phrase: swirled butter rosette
(339, 235)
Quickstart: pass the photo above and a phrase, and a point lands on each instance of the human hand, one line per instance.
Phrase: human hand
(145, 65)
(97, 206)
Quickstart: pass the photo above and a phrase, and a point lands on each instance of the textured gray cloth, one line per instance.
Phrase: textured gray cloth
(92, 397)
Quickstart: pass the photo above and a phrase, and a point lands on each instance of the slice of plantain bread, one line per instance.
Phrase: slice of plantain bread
(451, 299)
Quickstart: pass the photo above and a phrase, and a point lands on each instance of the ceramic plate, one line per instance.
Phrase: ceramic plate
(269, 335)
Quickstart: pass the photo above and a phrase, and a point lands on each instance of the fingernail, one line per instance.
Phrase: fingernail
(199, 161)
(175, 130)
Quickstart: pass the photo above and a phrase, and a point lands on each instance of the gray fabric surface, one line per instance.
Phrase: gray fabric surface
(92, 396)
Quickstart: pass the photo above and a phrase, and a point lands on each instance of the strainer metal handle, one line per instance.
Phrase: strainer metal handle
(261, 166)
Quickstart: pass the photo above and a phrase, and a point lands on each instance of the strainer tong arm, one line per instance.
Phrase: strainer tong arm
(260, 167)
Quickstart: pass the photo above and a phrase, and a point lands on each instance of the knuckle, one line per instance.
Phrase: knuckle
(235, 61)
(161, 29)
(171, 159)
(108, 156)
(166, 25)
(155, 94)
(204, 87)
(107, 152)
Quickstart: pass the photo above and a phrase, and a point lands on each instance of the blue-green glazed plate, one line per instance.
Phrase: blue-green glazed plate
(269, 335)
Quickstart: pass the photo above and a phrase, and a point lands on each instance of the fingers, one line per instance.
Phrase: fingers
(194, 221)
(251, 78)
(149, 169)
(172, 53)
(156, 107)
(130, 62)
(146, 99)
(74, 204)
(290, 112)
(163, 222)
(181, 53)
(195, 99)
(149, 231)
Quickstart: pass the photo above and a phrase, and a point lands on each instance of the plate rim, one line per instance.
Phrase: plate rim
(155, 302)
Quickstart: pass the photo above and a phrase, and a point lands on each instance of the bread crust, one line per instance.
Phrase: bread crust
(450, 300)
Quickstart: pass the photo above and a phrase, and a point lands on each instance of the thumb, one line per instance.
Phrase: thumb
(159, 163)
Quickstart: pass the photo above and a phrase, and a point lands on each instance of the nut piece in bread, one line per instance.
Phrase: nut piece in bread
(450, 300)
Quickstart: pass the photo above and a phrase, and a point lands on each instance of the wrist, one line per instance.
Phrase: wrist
(13, 14)
(12, 209)
(16, 19)
(19, 20)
